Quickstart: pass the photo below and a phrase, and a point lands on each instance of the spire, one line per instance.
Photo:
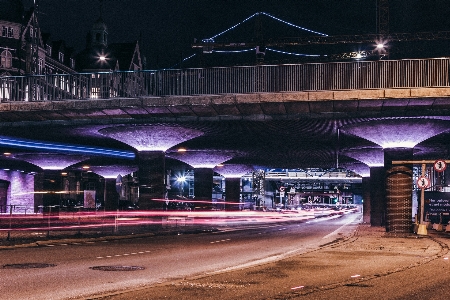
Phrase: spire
(99, 31)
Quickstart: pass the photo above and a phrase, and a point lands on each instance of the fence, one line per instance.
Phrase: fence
(380, 74)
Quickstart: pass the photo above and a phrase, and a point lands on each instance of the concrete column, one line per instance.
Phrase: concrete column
(366, 198)
(52, 183)
(377, 196)
(203, 184)
(151, 175)
(38, 186)
(398, 190)
(232, 193)
(111, 197)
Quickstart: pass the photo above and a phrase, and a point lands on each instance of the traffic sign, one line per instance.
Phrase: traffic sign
(282, 188)
(440, 165)
(423, 182)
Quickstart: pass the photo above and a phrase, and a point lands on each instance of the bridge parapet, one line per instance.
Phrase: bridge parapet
(332, 79)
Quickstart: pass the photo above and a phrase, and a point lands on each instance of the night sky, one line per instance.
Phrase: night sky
(168, 27)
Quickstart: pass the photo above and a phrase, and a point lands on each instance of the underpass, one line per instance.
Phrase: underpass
(77, 265)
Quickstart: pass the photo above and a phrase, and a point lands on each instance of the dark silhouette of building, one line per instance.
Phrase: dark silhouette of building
(24, 49)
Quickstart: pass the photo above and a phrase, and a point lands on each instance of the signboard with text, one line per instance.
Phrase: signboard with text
(437, 202)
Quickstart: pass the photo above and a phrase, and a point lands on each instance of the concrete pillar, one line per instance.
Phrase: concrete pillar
(366, 198)
(399, 181)
(377, 196)
(203, 184)
(151, 175)
(111, 197)
(232, 193)
(52, 183)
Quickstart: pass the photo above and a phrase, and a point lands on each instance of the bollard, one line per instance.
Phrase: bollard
(422, 229)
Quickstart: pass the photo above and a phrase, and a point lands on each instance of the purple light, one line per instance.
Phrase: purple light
(398, 133)
(150, 137)
(233, 171)
(361, 169)
(373, 157)
(202, 158)
(113, 171)
(51, 161)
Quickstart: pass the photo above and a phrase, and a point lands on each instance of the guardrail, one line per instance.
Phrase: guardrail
(408, 73)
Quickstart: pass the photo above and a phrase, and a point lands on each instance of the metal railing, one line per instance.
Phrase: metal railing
(408, 73)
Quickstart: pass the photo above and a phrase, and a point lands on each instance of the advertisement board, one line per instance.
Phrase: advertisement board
(437, 202)
(89, 199)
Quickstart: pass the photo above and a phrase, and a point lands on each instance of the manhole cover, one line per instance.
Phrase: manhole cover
(27, 266)
(117, 268)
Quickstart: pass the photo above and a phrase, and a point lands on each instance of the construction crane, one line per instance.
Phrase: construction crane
(379, 39)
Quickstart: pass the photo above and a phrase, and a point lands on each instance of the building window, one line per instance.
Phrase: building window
(7, 32)
(61, 57)
(6, 59)
(40, 65)
(95, 91)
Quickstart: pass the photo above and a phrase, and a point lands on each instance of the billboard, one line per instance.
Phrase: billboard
(89, 199)
(437, 202)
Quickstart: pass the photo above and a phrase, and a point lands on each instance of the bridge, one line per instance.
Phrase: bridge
(356, 116)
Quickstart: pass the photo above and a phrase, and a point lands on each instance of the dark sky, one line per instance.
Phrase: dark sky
(168, 27)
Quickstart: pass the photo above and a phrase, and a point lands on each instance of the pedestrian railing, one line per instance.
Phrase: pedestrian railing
(381, 74)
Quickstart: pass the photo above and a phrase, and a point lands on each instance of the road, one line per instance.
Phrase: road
(70, 270)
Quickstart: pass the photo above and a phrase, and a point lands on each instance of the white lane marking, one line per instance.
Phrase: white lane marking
(337, 230)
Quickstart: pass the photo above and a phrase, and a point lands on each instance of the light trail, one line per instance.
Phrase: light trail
(65, 221)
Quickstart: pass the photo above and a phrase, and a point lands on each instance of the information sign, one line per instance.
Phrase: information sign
(437, 202)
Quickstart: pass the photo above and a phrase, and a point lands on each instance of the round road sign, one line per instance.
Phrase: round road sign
(440, 165)
(423, 182)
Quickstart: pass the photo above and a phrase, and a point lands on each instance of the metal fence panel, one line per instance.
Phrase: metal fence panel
(408, 73)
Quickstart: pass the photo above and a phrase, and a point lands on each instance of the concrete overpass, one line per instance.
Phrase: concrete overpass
(354, 128)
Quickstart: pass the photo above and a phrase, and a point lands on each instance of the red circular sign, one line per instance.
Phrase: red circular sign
(440, 165)
(423, 182)
(282, 188)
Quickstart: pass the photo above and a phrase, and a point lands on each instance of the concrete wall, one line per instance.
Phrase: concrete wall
(20, 190)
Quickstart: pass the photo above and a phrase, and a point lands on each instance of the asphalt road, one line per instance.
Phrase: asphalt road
(368, 264)
(70, 270)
